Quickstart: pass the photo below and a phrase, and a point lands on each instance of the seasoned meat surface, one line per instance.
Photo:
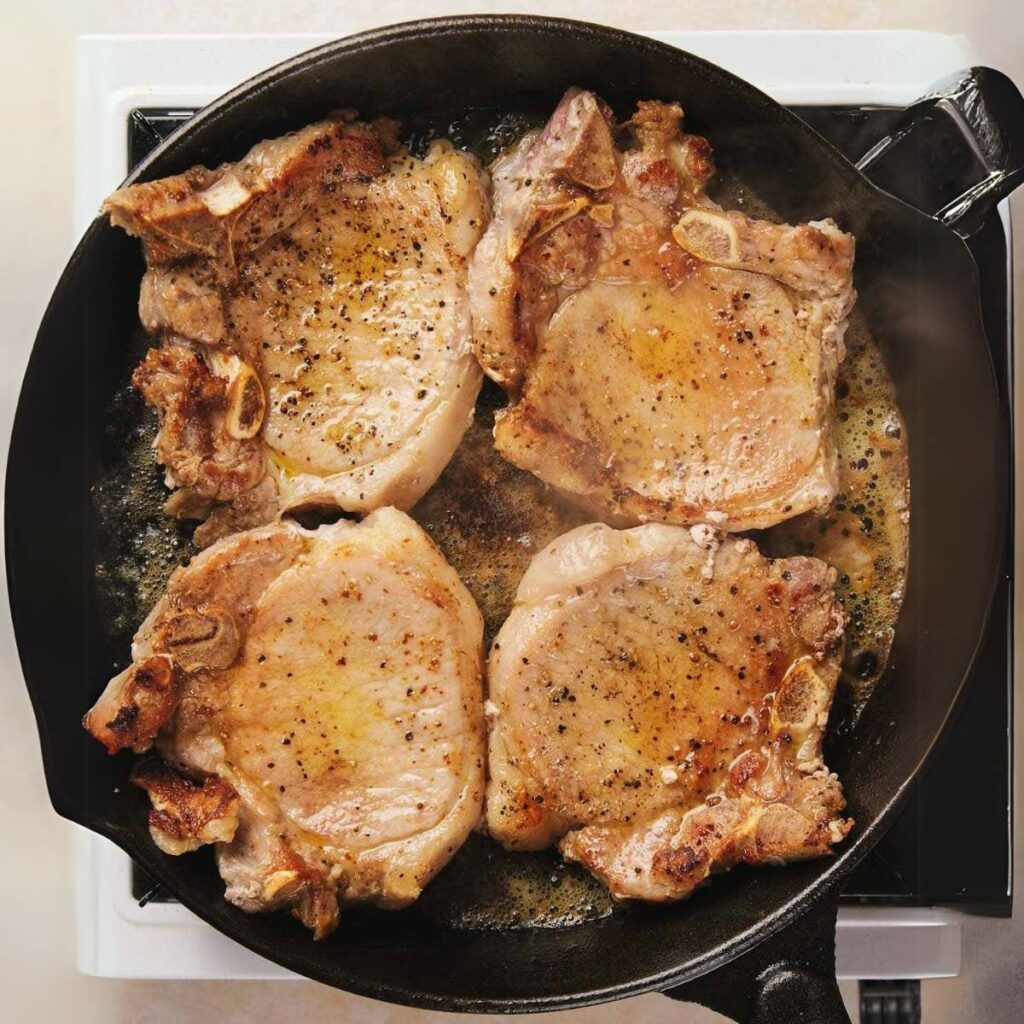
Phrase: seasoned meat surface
(658, 701)
(313, 324)
(666, 360)
(322, 720)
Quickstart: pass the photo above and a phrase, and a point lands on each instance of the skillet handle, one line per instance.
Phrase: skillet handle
(790, 978)
(957, 152)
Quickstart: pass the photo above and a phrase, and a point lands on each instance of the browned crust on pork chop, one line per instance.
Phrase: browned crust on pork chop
(659, 698)
(665, 360)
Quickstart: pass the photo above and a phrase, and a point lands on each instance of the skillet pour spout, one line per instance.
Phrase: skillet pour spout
(918, 288)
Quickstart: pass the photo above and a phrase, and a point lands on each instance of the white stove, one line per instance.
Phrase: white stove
(118, 74)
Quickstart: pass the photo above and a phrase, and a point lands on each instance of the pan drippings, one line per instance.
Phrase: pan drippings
(865, 533)
(490, 518)
(487, 887)
(137, 546)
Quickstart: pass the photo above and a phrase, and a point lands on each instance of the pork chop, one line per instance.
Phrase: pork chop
(658, 698)
(316, 698)
(665, 360)
(313, 324)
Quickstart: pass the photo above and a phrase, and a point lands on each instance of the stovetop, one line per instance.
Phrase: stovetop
(921, 861)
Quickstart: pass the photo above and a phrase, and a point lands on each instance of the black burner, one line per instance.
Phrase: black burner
(931, 855)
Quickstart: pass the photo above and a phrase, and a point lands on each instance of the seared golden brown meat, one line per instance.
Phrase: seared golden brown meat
(186, 813)
(665, 360)
(658, 701)
(135, 705)
(311, 307)
(211, 408)
(322, 720)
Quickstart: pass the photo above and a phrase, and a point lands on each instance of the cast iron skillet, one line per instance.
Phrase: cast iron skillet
(918, 287)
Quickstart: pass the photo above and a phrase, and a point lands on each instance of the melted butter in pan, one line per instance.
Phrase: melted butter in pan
(864, 535)
(136, 546)
(490, 518)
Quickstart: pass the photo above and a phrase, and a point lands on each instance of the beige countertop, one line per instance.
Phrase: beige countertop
(37, 947)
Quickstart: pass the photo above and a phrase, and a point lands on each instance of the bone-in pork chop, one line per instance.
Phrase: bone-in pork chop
(310, 302)
(665, 360)
(316, 697)
(658, 698)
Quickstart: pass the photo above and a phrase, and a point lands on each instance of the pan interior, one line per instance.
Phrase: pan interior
(490, 518)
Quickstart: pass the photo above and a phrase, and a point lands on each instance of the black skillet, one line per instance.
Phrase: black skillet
(918, 288)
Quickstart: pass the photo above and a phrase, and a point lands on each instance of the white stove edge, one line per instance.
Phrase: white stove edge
(119, 939)
(114, 74)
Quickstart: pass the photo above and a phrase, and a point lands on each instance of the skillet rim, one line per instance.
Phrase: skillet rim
(865, 837)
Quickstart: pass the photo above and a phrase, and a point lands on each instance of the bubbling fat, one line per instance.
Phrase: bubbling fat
(865, 532)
